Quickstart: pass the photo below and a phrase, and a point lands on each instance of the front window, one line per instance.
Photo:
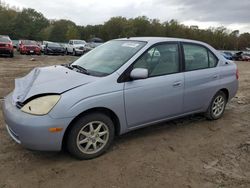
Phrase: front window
(4, 39)
(109, 57)
(160, 60)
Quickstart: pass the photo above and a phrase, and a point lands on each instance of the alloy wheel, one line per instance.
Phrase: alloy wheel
(92, 137)
(218, 106)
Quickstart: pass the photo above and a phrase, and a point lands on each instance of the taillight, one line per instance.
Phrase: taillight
(237, 74)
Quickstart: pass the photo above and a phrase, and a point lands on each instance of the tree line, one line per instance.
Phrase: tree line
(30, 24)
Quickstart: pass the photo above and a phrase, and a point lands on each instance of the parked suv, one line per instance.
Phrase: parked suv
(122, 85)
(6, 46)
(76, 47)
(29, 47)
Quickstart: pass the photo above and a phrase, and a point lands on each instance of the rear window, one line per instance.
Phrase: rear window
(198, 57)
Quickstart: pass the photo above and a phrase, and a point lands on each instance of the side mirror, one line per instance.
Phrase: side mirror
(139, 73)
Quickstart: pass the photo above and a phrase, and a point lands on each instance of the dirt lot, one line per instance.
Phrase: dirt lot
(189, 152)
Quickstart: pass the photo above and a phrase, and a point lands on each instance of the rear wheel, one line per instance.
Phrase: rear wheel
(217, 106)
(90, 136)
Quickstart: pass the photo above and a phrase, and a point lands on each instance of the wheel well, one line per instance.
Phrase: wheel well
(224, 90)
(105, 111)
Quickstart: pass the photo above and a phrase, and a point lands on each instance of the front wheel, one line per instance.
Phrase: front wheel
(90, 136)
(217, 106)
(12, 54)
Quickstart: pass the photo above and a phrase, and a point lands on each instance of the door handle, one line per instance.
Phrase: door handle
(215, 76)
(177, 84)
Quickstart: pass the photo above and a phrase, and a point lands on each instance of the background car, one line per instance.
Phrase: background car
(54, 48)
(237, 56)
(76, 47)
(15, 43)
(29, 47)
(245, 57)
(6, 46)
(43, 45)
(227, 55)
(93, 43)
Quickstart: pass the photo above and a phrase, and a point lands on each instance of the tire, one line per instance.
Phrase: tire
(217, 106)
(12, 54)
(95, 142)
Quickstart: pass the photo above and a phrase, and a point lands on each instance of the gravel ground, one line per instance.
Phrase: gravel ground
(188, 152)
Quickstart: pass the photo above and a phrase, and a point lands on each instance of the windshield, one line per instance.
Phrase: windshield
(79, 42)
(54, 45)
(110, 56)
(4, 39)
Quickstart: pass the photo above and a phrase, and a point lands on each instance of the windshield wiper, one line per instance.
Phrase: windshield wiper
(67, 66)
(80, 68)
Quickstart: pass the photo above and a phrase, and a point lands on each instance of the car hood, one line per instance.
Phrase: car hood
(55, 48)
(30, 45)
(48, 80)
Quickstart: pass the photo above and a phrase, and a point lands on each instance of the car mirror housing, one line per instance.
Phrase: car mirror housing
(139, 73)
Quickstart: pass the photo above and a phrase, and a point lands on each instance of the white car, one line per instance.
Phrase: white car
(76, 47)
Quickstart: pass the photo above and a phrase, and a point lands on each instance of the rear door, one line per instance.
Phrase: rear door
(201, 77)
(160, 95)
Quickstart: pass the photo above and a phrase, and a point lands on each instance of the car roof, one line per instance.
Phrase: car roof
(161, 39)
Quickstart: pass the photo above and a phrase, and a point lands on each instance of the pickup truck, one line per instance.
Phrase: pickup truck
(75, 47)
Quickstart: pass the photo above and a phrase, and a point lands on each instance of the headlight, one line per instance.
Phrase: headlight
(41, 105)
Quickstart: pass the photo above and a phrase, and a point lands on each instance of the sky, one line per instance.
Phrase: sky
(235, 15)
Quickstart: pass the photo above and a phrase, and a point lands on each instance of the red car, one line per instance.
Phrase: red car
(29, 47)
(6, 46)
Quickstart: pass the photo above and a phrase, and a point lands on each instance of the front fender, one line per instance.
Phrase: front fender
(113, 101)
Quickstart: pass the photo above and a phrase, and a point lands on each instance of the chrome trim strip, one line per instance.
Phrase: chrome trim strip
(12, 136)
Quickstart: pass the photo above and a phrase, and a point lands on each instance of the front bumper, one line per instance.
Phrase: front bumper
(27, 52)
(6, 51)
(33, 131)
(56, 52)
(79, 51)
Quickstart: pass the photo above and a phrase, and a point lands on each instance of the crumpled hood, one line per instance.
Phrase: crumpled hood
(53, 79)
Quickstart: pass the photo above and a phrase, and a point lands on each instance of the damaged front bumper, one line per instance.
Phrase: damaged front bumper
(33, 131)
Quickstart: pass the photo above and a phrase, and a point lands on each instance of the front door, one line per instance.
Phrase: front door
(159, 96)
